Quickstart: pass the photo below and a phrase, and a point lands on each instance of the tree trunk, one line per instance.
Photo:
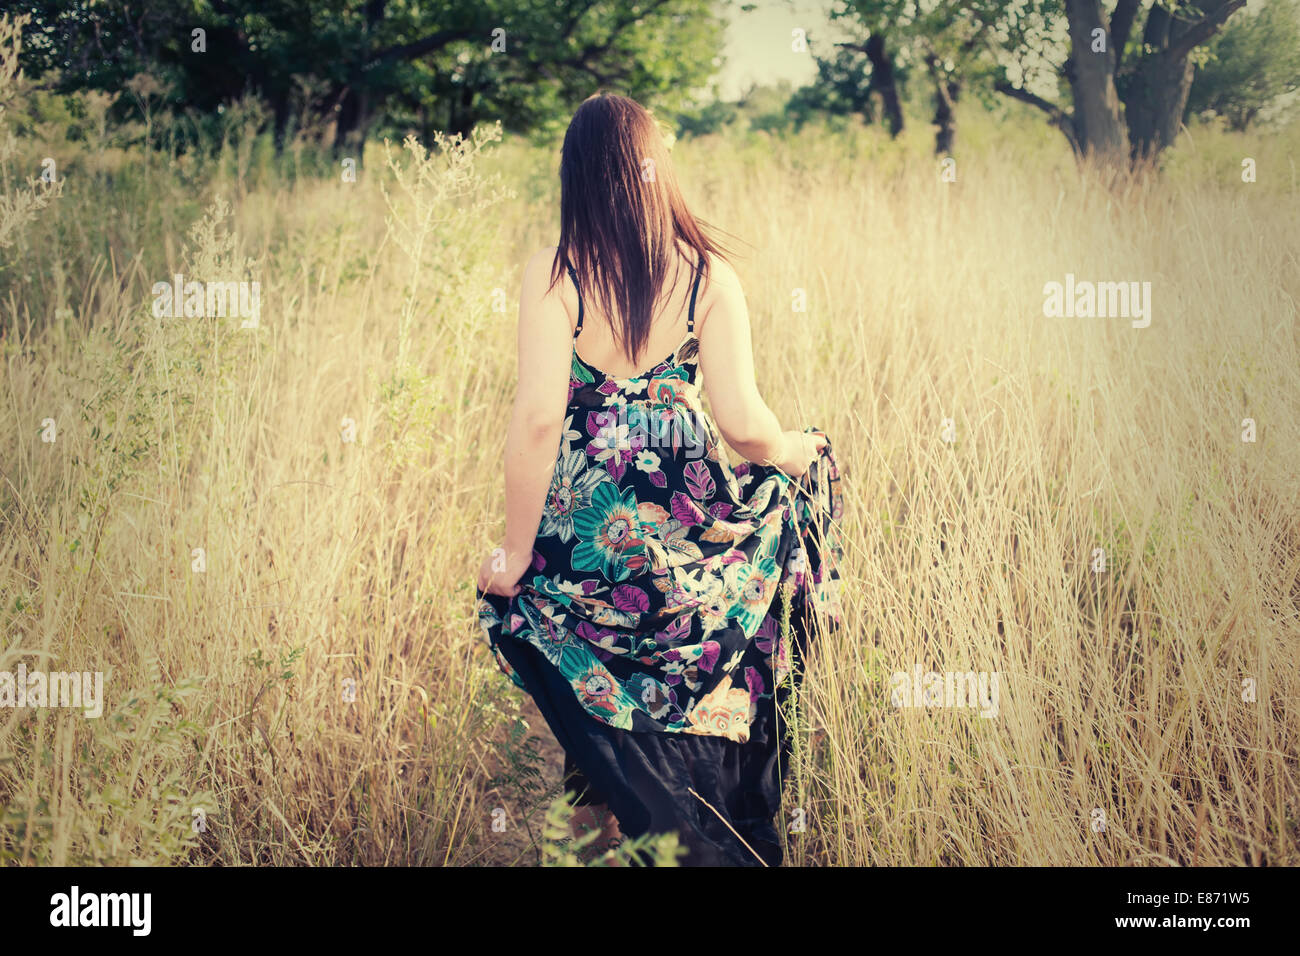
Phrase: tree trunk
(350, 125)
(1156, 89)
(945, 95)
(426, 125)
(1154, 99)
(1098, 126)
(460, 119)
(353, 119)
(882, 79)
(280, 108)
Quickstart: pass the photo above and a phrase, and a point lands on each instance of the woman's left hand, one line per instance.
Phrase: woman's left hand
(501, 571)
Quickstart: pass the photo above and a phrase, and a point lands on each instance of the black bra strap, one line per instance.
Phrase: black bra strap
(574, 275)
(690, 319)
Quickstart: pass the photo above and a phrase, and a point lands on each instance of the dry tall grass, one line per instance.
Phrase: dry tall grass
(391, 302)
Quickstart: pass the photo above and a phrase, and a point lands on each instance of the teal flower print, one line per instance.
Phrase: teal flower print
(609, 533)
(753, 585)
(570, 492)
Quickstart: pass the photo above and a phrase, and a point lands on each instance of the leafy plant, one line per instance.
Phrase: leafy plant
(561, 848)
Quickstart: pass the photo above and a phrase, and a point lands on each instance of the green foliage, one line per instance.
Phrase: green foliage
(396, 68)
(952, 34)
(560, 848)
(269, 674)
(1251, 64)
(17, 206)
(766, 109)
(842, 88)
(519, 752)
(712, 117)
(273, 670)
(1022, 49)
(131, 781)
(523, 784)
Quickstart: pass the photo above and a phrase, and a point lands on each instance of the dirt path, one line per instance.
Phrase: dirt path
(519, 845)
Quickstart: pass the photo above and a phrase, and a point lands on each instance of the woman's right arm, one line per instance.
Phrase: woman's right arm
(727, 363)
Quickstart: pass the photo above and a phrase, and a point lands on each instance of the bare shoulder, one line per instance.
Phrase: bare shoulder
(540, 262)
(536, 283)
(720, 269)
(720, 292)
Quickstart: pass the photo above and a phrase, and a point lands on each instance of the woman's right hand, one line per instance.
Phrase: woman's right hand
(801, 450)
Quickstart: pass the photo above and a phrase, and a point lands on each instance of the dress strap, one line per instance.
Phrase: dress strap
(690, 319)
(574, 275)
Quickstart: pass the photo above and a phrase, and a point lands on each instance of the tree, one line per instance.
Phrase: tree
(884, 78)
(842, 88)
(902, 34)
(350, 62)
(1156, 80)
(1127, 90)
(1251, 64)
(1116, 92)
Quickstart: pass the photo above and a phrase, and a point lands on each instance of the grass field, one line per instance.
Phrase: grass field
(312, 687)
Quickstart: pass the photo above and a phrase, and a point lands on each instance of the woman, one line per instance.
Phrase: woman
(638, 594)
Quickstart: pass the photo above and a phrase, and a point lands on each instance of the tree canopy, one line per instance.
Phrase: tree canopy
(351, 64)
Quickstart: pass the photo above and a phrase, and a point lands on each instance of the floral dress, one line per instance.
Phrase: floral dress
(651, 614)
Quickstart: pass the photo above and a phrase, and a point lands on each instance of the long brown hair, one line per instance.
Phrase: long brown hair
(621, 214)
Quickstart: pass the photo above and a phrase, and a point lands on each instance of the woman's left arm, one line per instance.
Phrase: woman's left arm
(533, 436)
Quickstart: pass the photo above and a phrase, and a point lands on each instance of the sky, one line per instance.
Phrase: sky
(757, 47)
